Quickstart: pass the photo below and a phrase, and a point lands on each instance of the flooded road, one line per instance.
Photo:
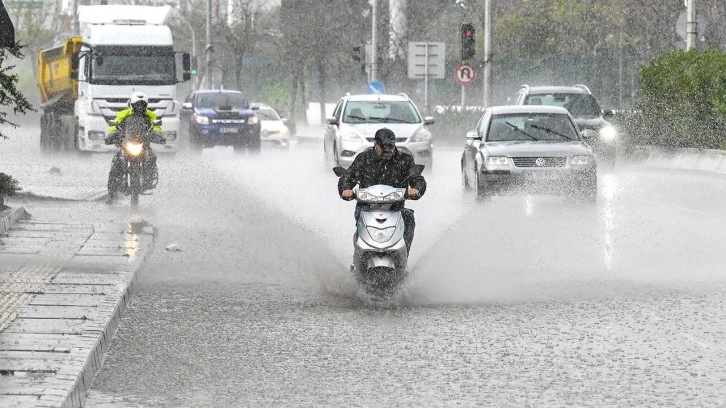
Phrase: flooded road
(520, 301)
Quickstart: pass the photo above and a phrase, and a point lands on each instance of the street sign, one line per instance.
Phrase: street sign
(465, 73)
(376, 87)
(426, 60)
(15, 4)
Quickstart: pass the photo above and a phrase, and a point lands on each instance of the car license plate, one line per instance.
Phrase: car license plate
(229, 130)
(543, 175)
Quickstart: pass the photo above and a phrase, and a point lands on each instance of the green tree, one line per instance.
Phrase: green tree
(10, 96)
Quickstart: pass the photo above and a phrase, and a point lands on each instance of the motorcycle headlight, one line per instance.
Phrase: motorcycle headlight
(202, 120)
(133, 148)
(580, 160)
(381, 234)
(253, 120)
(350, 136)
(422, 135)
(608, 133)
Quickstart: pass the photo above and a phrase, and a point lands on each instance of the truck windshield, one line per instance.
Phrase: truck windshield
(133, 65)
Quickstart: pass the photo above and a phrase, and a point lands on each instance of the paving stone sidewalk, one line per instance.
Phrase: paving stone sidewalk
(63, 287)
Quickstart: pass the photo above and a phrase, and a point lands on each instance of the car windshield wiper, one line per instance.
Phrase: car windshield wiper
(397, 120)
(513, 126)
(356, 117)
(548, 130)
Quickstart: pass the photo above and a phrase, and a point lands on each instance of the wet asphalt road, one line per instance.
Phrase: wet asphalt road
(522, 301)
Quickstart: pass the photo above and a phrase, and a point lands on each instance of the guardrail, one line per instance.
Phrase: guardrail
(709, 160)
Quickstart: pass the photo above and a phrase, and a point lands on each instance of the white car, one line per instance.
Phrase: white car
(356, 119)
(273, 127)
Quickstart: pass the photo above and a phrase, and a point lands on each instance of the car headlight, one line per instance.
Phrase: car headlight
(253, 120)
(202, 120)
(496, 162)
(421, 136)
(608, 133)
(351, 136)
(381, 234)
(580, 160)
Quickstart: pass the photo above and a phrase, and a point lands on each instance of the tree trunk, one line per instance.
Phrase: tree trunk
(293, 93)
(321, 86)
(303, 96)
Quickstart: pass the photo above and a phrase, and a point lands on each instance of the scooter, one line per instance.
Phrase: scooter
(134, 145)
(380, 257)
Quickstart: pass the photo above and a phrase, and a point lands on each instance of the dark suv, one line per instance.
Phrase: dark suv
(219, 118)
(587, 113)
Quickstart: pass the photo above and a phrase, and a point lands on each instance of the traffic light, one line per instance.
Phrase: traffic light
(194, 65)
(357, 55)
(468, 43)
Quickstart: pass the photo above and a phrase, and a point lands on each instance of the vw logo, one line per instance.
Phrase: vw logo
(539, 162)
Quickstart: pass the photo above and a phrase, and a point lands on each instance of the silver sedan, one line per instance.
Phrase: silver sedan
(534, 148)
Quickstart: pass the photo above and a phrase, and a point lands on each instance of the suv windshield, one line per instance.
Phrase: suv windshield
(545, 127)
(380, 112)
(222, 100)
(579, 105)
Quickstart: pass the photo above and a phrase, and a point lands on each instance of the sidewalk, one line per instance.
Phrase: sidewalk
(63, 288)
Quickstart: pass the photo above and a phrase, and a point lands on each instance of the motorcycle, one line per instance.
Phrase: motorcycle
(137, 136)
(380, 257)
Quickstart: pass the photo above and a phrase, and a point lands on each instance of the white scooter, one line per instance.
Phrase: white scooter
(380, 258)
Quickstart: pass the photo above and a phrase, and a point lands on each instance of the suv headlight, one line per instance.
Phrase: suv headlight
(202, 120)
(253, 120)
(608, 133)
(422, 135)
(580, 160)
(496, 162)
(350, 136)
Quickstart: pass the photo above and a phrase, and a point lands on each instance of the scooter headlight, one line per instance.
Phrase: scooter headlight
(133, 148)
(381, 234)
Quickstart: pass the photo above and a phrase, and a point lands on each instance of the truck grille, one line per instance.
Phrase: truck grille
(539, 161)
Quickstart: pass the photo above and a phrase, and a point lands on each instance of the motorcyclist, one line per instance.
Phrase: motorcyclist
(384, 164)
(138, 105)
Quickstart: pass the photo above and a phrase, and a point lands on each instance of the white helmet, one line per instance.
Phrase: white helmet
(138, 97)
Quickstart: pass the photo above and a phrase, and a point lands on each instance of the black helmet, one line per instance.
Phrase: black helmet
(385, 137)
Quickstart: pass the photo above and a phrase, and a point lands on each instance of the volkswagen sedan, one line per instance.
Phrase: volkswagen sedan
(535, 148)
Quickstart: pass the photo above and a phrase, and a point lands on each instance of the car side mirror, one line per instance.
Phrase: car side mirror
(340, 171)
(332, 120)
(429, 120)
(187, 105)
(608, 114)
(588, 133)
(473, 135)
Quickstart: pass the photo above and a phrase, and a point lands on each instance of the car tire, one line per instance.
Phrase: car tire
(195, 145)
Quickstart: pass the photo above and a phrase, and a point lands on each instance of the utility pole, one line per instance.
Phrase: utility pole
(487, 53)
(691, 24)
(74, 11)
(374, 42)
(208, 82)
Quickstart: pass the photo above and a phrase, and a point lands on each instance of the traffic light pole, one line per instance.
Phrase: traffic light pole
(487, 77)
(374, 41)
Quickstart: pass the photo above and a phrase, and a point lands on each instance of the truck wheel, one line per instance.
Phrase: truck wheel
(44, 142)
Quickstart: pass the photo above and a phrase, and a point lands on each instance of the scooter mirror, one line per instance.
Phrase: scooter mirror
(340, 171)
(416, 170)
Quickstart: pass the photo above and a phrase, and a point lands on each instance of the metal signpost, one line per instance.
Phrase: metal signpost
(426, 59)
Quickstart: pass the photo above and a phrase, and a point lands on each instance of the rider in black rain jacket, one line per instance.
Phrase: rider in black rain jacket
(384, 164)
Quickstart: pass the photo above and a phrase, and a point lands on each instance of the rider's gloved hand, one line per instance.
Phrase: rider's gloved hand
(347, 195)
(111, 138)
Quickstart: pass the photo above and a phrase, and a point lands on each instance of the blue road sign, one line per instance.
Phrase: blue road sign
(376, 87)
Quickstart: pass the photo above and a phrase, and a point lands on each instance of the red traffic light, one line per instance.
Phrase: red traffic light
(468, 41)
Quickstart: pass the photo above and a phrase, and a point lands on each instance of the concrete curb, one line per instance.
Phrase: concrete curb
(707, 160)
(77, 396)
(41, 197)
(10, 216)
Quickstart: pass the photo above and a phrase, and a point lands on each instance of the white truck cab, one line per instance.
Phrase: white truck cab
(126, 49)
